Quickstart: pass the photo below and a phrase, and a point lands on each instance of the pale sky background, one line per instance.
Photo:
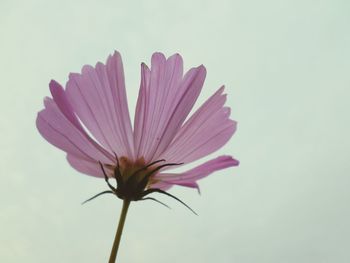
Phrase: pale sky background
(286, 68)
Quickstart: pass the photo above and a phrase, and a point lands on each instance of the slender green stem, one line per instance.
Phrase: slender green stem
(118, 234)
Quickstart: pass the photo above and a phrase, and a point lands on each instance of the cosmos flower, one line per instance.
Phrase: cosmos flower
(90, 121)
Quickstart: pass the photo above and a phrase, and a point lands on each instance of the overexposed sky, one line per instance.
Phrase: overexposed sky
(285, 65)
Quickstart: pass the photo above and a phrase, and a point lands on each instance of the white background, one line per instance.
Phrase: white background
(286, 68)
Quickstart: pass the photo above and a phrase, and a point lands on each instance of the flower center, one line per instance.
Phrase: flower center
(129, 169)
(133, 178)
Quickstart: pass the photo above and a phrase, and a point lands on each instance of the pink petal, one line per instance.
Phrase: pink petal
(165, 185)
(161, 185)
(165, 100)
(208, 129)
(140, 112)
(98, 97)
(56, 128)
(190, 178)
(87, 167)
(60, 98)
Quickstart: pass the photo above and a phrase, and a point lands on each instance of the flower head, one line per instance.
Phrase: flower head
(90, 121)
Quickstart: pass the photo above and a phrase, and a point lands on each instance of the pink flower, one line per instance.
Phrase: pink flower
(90, 121)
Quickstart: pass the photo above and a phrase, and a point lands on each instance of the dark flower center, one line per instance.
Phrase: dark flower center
(133, 180)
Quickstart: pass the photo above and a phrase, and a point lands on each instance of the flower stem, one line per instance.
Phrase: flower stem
(118, 234)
